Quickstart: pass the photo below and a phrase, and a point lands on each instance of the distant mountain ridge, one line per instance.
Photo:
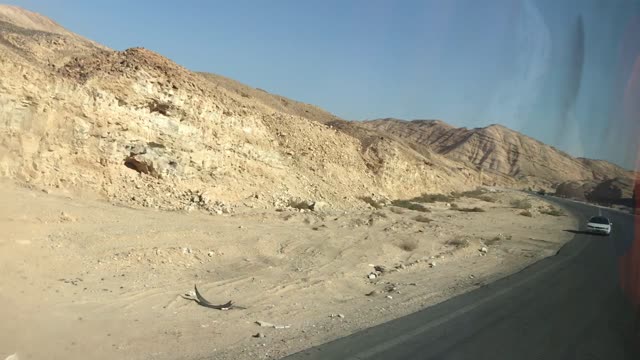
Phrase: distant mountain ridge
(500, 150)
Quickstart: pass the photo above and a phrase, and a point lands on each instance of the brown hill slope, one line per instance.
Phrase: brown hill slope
(140, 129)
(500, 151)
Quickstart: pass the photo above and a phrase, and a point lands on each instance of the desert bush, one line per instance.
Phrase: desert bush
(476, 194)
(380, 214)
(397, 210)
(408, 244)
(474, 209)
(422, 218)
(473, 193)
(552, 211)
(458, 243)
(521, 204)
(526, 213)
(410, 205)
(299, 204)
(497, 238)
(487, 198)
(431, 198)
(369, 200)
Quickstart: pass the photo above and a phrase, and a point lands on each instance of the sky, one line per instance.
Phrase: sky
(565, 72)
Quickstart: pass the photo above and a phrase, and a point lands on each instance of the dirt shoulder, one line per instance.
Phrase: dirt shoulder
(86, 277)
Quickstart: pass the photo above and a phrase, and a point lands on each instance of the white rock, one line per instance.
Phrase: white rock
(372, 276)
(319, 206)
(484, 249)
(389, 297)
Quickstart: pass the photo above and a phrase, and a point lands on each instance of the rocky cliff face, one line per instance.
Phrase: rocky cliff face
(141, 130)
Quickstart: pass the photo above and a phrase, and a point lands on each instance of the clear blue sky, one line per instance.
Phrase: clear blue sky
(556, 70)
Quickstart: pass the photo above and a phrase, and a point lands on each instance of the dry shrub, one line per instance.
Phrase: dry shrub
(375, 204)
(397, 210)
(552, 211)
(526, 213)
(487, 198)
(474, 209)
(422, 218)
(521, 204)
(458, 243)
(380, 214)
(408, 244)
(497, 238)
(410, 205)
(299, 204)
(479, 194)
(431, 198)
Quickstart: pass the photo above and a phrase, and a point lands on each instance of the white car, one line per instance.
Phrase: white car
(599, 225)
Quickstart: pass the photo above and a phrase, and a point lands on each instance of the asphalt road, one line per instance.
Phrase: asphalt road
(566, 306)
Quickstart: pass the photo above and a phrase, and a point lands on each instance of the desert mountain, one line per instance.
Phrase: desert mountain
(501, 151)
(139, 129)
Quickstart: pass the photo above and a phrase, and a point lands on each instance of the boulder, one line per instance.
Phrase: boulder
(319, 206)
(612, 191)
(578, 190)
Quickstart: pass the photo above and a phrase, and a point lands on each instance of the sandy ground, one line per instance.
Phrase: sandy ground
(85, 279)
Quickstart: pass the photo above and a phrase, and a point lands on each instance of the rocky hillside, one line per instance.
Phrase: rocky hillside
(501, 152)
(139, 129)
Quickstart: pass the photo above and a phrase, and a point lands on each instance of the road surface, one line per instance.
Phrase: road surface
(568, 306)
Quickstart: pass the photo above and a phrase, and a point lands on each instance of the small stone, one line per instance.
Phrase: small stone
(259, 335)
(432, 264)
(372, 276)
(484, 250)
(210, 253)
(389, 297)
(341, 316)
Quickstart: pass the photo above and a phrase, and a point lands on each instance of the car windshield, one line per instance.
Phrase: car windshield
(599, 220)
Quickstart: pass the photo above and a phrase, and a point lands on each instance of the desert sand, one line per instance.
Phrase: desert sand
(82, 276)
